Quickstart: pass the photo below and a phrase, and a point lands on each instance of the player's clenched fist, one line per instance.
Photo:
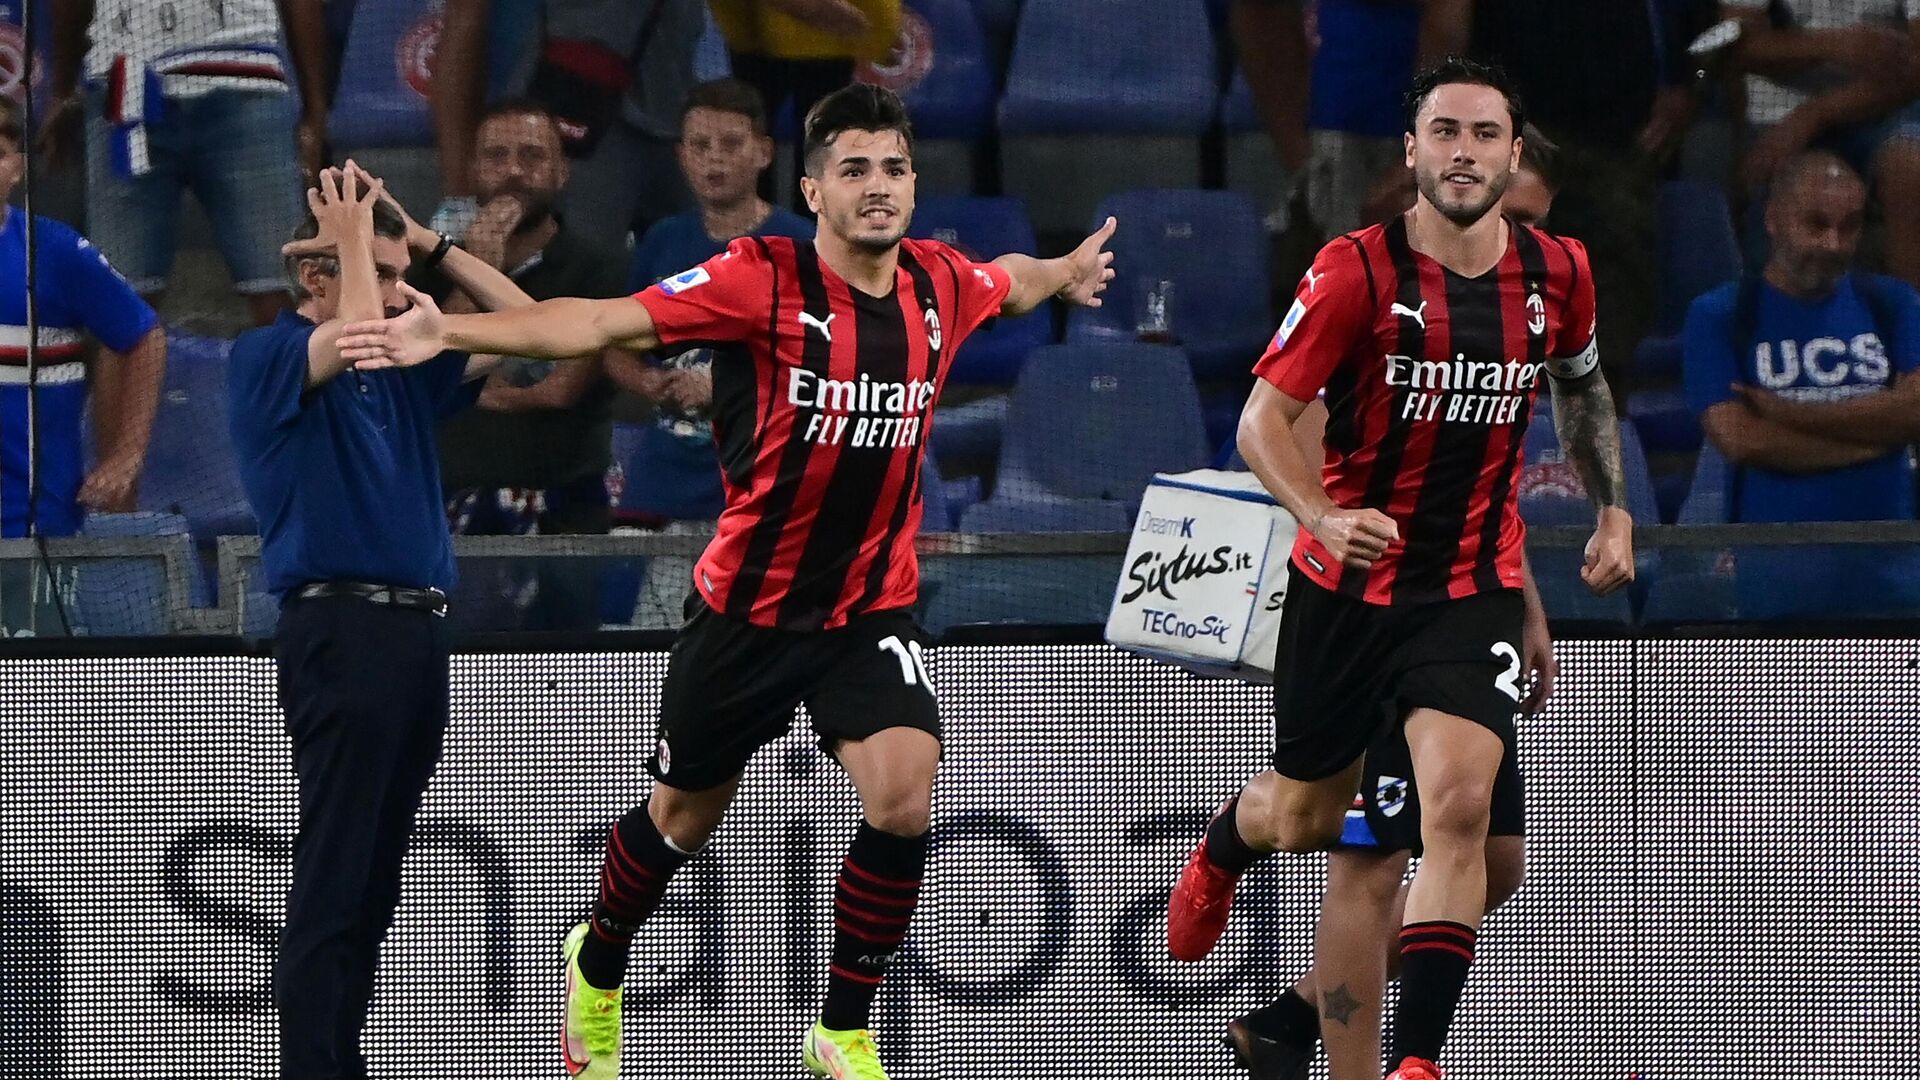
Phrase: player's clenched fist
(1609, 553)
(1355, 537)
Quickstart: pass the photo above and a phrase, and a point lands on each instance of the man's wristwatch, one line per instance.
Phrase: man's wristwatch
(439, 251)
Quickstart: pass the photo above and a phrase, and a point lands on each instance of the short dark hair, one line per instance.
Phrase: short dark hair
(519, 106)
(1458, 70)
(13, 123)
(858, 107)
(1541, 154)
(387, 222)
(728, 96)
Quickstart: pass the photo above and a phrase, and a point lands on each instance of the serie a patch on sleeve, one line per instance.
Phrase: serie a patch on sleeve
(1292, 320)
(685, 280)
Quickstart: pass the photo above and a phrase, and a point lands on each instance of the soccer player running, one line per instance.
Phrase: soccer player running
(1356, 941)
(1429, 334)
(828, 358)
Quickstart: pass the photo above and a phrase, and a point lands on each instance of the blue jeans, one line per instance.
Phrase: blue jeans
(235, 149)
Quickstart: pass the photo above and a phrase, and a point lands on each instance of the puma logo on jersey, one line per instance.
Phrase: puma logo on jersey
(1313, 279)
(1418, 315)
(825, 326)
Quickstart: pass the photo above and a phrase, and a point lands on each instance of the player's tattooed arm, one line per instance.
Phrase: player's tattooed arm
(1589, 431)
(1590, 434)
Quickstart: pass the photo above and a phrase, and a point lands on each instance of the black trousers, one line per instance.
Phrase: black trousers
(364, 690)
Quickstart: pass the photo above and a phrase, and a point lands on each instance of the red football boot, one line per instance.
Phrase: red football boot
(1414, 1068)
(1197, 912)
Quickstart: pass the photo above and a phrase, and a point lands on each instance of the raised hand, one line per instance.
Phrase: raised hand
(1092, 268)
(412, 337)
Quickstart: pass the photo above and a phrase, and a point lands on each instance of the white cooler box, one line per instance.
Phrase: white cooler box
(1204, 576)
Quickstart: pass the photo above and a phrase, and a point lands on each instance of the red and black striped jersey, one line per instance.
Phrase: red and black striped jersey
(1430, 379)
(822, 397)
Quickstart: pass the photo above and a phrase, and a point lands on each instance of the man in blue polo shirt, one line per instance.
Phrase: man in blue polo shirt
(340, 467)
(1804, 380)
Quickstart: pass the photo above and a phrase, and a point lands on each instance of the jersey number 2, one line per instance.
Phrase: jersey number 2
(913, 663)
(1509, 680)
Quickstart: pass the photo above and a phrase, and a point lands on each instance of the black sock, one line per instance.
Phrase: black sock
(1434, 958)
(1225, 849)
(873, 901)
(633, 877)
(1292, 1020)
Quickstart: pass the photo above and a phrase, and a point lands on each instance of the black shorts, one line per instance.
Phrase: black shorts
(1386, 812)
(1348, 670)
(732, 688)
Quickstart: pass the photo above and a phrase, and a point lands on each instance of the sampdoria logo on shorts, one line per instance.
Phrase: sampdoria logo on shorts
(1390, 796)
(681, 282)
(665, 754)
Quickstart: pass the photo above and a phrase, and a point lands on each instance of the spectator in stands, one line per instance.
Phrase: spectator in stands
(179, 99)
(671, 479)
(1804, 380)
(533, 456)
(1336, 121)
(724, 149)
(1610, 83)
(1843, 75)
(78, 294)
(614, 73)
(799, 51)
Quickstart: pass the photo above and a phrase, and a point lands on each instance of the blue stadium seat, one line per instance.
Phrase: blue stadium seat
(1665, 420)
(1211, 246)
(191, 469)
(1659, 357)
(1552, 493)
(1084, 103)
(1029, 589)
(129, 597)
(1046, 513)
(1071, 74)
(1698, 584)
(936, 515)
(942, 70)
(1697, 248)
(1238, 114)
(987, 228)
(1706, 501)
(1097, 421)
(969, 432)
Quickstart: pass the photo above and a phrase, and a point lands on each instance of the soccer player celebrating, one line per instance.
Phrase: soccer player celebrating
(1356, 943)
(1429, 335)
(828, 358)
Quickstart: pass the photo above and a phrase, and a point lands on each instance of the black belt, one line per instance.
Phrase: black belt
(432, 600)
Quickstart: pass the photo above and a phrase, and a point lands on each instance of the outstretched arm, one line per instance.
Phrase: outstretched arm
(558, 329)
(1078, 277)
